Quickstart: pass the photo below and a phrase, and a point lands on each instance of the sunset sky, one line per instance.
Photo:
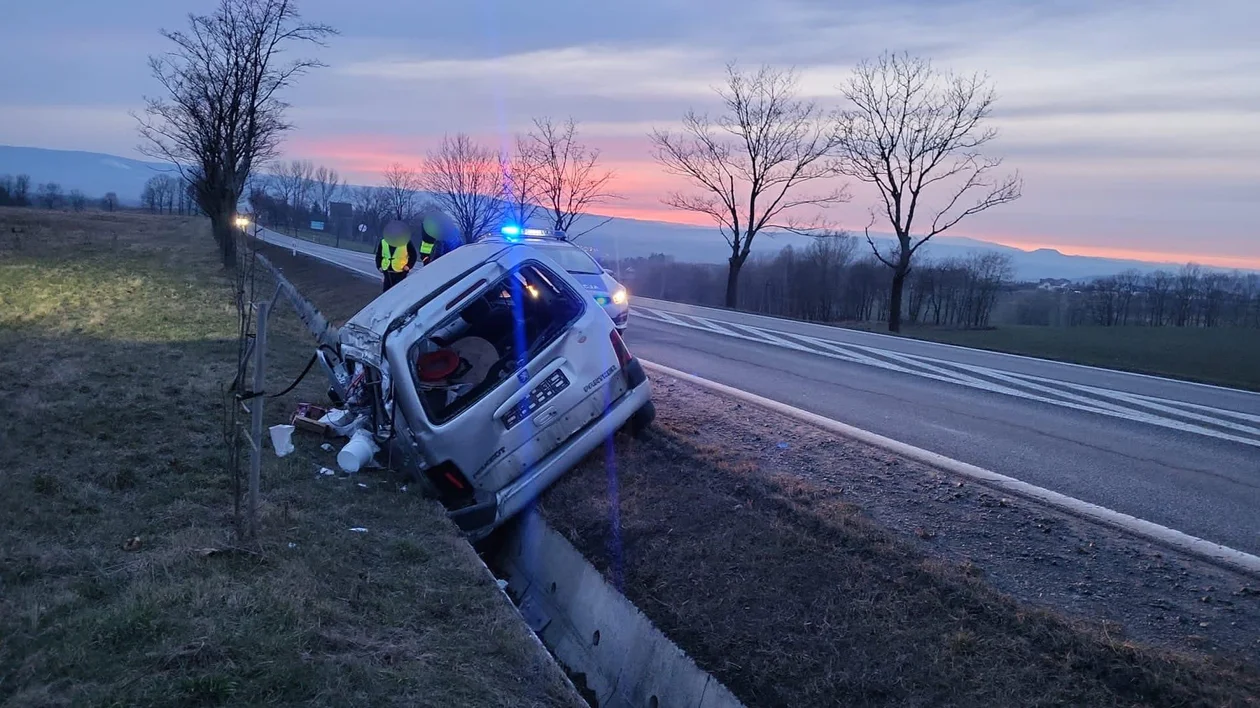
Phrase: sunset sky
(1136, 124)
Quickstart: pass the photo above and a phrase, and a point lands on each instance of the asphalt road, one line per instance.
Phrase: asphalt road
(1178, 454)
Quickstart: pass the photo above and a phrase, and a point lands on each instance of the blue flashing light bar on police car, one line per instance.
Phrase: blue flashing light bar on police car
(512, 231)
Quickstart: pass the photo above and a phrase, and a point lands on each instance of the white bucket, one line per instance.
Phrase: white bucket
(282, 439)
(358, 452)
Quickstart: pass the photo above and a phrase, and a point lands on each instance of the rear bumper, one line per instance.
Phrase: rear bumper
(479, 520)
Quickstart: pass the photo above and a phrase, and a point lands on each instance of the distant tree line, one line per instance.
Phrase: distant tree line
(169, 194)
(549, 178)
(295, 193)
(17, 192)
(833, 280)
(1192, 296)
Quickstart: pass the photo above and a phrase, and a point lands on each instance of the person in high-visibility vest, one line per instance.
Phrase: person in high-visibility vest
(427, 242)
(439, 234)
(395, 254)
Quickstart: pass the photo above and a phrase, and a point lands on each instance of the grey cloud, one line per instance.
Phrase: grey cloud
(1149, 104)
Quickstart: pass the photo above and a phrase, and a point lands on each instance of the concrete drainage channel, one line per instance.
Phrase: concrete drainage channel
(607, 646)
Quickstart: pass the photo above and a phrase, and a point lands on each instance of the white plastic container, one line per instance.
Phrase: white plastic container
(358, 452)
(282, 439)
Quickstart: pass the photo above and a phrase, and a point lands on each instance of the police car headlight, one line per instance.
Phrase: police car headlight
(620, 297)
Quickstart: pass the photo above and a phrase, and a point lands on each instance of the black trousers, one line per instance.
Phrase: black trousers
(391, 279)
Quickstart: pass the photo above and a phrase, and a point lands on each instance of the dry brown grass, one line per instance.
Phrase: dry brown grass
(117, 333)
(792, 596)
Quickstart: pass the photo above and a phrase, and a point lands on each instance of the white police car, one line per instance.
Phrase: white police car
(594, 278)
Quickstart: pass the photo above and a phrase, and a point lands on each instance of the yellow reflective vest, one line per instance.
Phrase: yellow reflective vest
(395, 261)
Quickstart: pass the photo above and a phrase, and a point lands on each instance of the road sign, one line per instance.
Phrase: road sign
(362, 228)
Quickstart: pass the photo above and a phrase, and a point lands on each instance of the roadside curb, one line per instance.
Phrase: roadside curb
(1207, 550)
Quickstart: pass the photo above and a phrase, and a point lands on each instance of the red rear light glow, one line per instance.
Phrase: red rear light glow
(619, 346)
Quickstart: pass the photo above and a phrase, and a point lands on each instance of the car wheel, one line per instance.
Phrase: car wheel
(642, 420)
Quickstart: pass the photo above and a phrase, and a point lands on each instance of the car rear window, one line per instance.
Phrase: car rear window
(490, 338)
(572, 259)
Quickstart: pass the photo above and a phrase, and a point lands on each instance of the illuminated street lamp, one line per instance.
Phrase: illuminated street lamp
(242, 222)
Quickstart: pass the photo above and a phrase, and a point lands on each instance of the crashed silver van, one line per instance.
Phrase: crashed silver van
(485, 375)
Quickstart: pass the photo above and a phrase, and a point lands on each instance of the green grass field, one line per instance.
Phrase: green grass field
(121, 580)
(1221, 356)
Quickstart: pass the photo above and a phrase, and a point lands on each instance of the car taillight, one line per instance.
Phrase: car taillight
(619, 346)
(452, 486)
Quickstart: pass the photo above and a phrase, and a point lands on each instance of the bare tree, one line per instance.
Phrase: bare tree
(222, 113)
(521, 188)
(110, 201)
(49, 195)
(370, 208)
(160, 193)
(569, 180)
(465, 180)
(327, 186)
(294, 180)
(78, 200)
(750, 165)
(911, 129)
(401, 185)
(22, 190)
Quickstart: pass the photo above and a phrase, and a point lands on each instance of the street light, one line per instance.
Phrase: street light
(242, 222)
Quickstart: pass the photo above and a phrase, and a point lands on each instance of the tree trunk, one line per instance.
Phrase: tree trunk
(894, 300)
(732, 282)
(223, 227)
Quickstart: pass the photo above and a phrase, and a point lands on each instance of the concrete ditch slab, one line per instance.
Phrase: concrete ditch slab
(594, 631)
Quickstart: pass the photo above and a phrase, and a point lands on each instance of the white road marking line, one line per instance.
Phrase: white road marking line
(735, 335)
(767, 336)
(1081, 404)
(1201, 548)
(1011, 379)
(915, 361)
(666, 317)
(974, 350)
(1219, 411)
(709, 324)
(846, 354)
(1094, 405)
(1122, 396)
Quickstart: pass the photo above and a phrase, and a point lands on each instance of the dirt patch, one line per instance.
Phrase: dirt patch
(802, 569)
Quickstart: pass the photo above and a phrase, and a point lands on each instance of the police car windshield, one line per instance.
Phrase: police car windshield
(571, 258)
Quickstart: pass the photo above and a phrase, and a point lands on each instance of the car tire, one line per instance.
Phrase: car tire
(642, 420)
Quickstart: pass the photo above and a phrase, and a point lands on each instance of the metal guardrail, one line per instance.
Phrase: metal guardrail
(318, 325)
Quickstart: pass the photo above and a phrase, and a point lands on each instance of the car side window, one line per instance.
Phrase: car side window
(490, 337)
